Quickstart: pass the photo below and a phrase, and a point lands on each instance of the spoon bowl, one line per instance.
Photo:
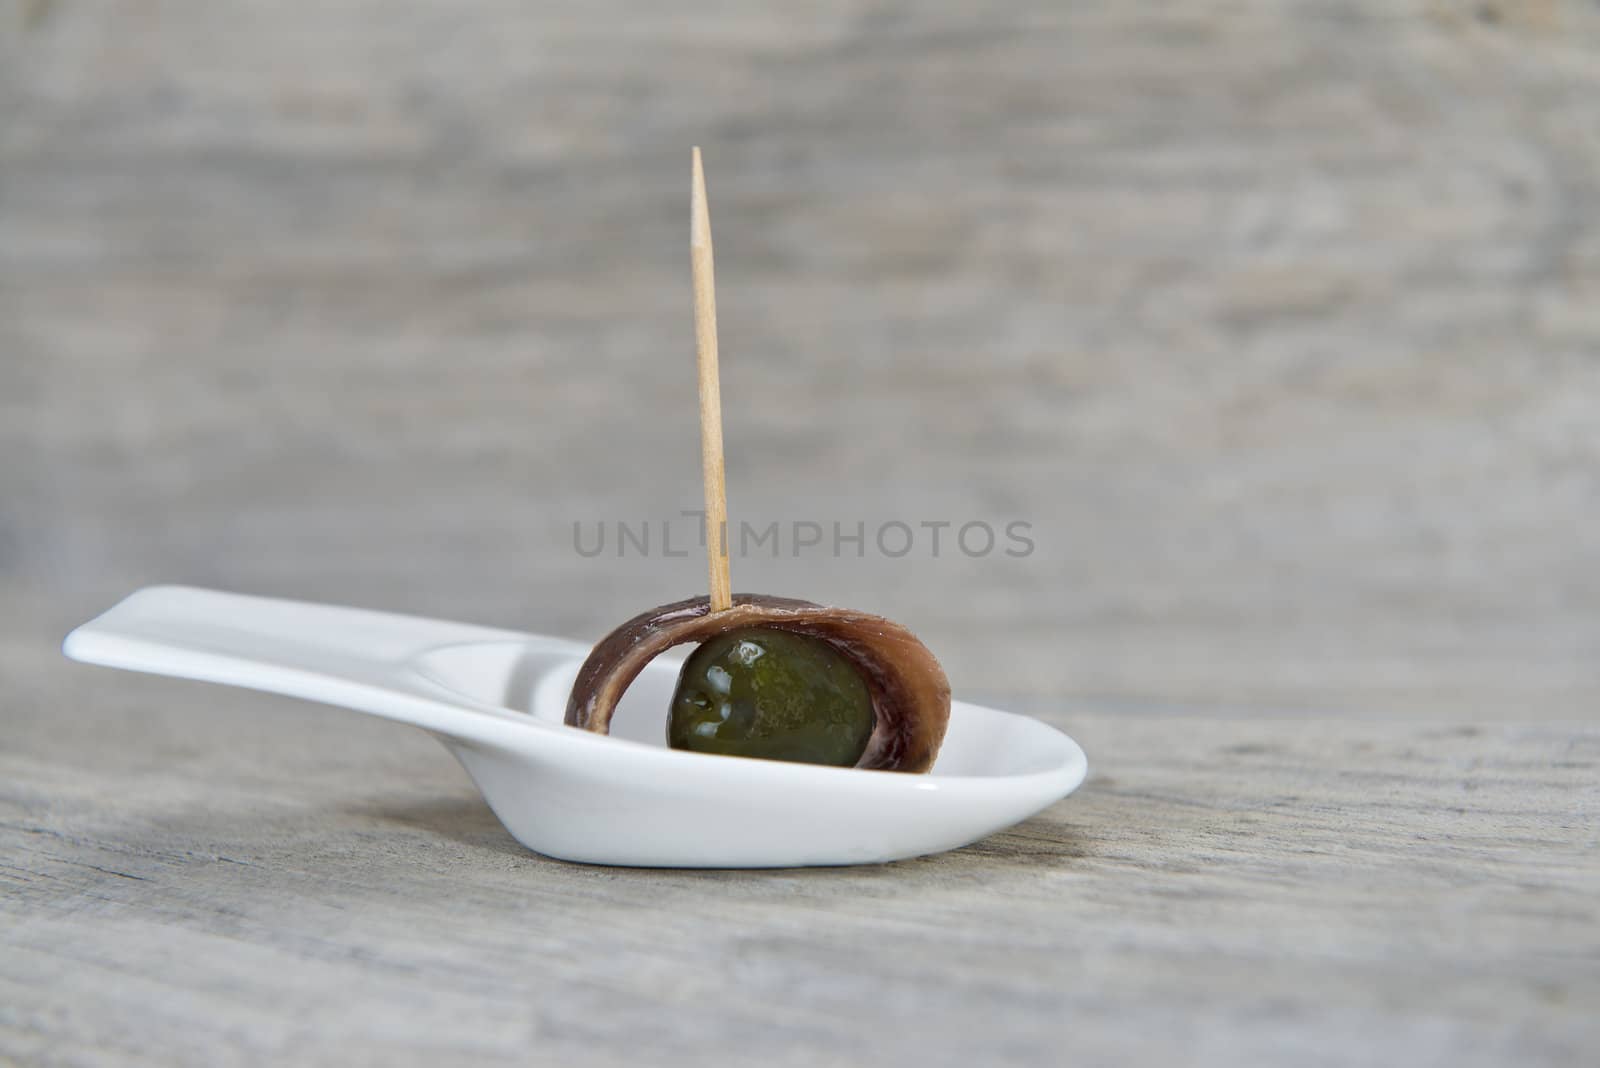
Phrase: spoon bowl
(497, 698)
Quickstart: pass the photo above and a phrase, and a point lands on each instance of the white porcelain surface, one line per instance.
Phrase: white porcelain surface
(496, 699)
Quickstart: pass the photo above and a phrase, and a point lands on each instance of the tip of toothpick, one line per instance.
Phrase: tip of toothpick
(699, 218)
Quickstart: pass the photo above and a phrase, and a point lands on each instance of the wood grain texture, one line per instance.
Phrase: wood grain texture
(1279, 323)
(271, 881)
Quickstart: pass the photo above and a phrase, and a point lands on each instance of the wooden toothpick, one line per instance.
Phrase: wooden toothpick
(705, 338)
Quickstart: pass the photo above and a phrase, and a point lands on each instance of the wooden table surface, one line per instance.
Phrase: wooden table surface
(194, 874)
(1279, 324)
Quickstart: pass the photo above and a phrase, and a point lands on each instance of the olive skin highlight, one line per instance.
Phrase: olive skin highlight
(774, 695)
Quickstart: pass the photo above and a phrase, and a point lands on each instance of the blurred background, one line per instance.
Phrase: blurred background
(1279, 323)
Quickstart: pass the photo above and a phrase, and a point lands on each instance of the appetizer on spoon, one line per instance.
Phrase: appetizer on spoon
(774, 678)
(803, 686)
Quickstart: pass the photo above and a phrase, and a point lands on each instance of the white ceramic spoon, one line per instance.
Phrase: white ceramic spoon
(496, 699)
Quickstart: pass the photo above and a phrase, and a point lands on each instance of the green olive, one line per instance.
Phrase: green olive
(773, 694)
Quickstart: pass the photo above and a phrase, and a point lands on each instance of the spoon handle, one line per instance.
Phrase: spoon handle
(348, 657)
